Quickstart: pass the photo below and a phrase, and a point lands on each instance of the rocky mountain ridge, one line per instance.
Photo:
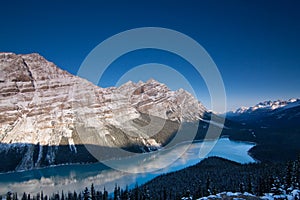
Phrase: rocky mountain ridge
(46, 107)
(268, 105)
(273, 126)
(268, 112)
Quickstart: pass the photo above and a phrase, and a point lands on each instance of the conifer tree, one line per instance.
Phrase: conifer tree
(242, 187)
(86, 194)
(208, 187)
(259, 189)
(24, 197)
(79, 196)
(276, 186)
(8, 196)
(146, 195)
(99, 195)
(125, 194)
(117, 192)
(93, 193)
(15, 196)
(136, 191)
(249, 185)
(56, 197)
(164, 193)
(297, 173)
(75, 195)
(105, 194)
(288, 175)
(62, 195)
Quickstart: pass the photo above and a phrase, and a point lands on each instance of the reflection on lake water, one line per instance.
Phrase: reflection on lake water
(77, 177)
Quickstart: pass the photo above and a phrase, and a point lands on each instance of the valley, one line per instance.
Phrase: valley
(61, 131)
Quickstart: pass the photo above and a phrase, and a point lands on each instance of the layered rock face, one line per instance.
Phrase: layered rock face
(45, 111)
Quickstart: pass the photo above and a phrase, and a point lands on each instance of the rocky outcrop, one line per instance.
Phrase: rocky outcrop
(44, 108)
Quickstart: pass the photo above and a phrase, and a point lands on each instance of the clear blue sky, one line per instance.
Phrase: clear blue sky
(255, 44)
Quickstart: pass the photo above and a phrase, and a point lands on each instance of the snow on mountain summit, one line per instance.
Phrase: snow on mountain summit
(269, 106)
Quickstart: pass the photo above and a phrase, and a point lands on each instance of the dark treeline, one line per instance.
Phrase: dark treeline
(215, 175)
(211, 176)
(87, 194)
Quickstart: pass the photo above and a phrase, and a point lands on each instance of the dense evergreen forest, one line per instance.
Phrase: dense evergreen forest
(211, 176)
(215, 175)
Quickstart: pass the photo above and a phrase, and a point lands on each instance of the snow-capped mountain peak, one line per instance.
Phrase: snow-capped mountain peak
(269, 106)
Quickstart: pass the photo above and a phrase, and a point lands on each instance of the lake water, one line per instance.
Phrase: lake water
(77, 177)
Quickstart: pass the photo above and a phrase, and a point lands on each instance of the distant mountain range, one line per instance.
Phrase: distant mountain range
(264, 107)
(269, 113)
(273, 125)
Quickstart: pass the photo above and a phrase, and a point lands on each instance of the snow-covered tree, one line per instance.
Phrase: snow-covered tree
(276, 186)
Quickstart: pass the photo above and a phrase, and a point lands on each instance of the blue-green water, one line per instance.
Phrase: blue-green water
(77, 177)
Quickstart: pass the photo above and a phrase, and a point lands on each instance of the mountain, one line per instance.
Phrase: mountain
(269, 114)
(264, 109)
(49, 116)
(272, 125)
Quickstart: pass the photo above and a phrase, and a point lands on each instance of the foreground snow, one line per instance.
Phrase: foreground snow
(295, 194)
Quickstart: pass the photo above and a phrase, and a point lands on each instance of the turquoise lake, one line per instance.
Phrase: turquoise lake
(77, 177)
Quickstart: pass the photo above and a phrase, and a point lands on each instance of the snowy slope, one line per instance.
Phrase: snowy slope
(275, 109)
(268, 106)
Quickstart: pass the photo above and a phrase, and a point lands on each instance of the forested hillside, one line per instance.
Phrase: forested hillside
(214, 175)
